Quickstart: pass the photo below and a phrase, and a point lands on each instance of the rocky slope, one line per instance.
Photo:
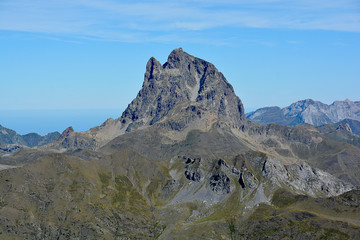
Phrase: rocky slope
(8, 136)
(303, 217)
(182, 162)
(307, 112)
(126, 195)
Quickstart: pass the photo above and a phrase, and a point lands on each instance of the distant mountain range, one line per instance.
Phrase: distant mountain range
(338, 121)
(308, 112)
(8, 136)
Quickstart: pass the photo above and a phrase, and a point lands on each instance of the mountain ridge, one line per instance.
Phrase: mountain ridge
(8, 136)
(307, 111)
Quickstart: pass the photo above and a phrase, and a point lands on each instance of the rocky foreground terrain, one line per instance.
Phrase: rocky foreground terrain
(183, 162)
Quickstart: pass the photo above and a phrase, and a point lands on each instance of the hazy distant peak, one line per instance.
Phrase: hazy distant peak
(306, 103)
(8, 136)
(308, 111)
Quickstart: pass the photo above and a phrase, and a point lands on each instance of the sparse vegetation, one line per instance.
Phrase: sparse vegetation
(232, 228)
(105, 178)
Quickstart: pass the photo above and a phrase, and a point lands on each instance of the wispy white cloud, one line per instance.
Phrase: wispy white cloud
(294, 42)
(159, 19)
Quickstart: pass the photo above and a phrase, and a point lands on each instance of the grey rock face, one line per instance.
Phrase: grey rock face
(192, 169)
(69, 139)
(242, 182)
(245, 177)
(183, 79)
(304, 178)
(220, 183)
(308, 112)
(250, 180)
(66, 133)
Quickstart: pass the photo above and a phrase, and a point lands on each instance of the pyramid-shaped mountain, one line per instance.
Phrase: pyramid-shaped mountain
(185, 86)
(183, 80)
(186, 106)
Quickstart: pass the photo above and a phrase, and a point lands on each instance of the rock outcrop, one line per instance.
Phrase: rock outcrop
(193, 169)
(220, 183)
(69, 139)
(303, 178)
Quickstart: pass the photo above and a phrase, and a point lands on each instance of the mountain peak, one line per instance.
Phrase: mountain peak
(305, 102)
(185, 92)
(177, 52)
(66, 132)
(183, 79)
(152, 67)
(309, 100)
(178, 57)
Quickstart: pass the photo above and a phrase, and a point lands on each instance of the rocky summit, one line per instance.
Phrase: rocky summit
(182, 81)
(183, 162)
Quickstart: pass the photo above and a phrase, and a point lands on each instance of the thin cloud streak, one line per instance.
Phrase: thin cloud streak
(144, 21)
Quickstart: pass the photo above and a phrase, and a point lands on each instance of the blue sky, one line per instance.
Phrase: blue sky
(89, 56)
